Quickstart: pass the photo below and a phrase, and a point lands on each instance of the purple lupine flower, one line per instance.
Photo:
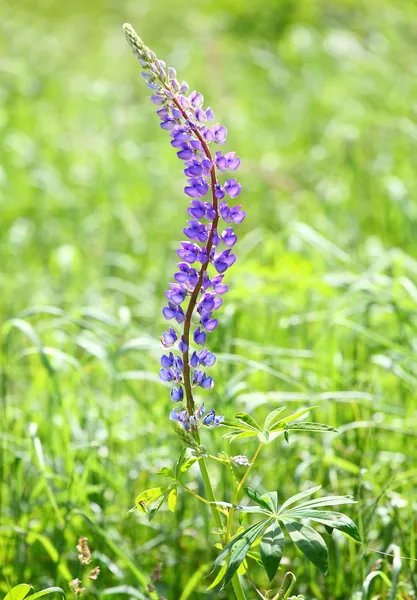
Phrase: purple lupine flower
(182, 114)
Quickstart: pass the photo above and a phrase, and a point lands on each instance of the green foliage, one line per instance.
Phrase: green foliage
(21, 591)
(247, 427)
(318, 101)
(270, 529)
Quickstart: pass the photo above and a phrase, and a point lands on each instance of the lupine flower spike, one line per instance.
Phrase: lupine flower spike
(205, 256)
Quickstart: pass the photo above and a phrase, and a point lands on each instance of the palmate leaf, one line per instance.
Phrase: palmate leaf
(240, 550)
(272, 548)
(332, 520)
(310, 543)
(232, 543)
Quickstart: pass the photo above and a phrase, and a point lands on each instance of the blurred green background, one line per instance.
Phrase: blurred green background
(319, 99)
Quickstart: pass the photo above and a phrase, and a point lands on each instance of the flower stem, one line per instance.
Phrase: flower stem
(194, 295)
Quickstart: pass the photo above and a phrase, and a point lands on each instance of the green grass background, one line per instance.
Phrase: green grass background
(320, 102)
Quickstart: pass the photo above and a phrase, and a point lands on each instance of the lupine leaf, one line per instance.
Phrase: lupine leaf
(230, 545)
(272, 548)
(307, 426)
(172, 499)
(166, 472)
(281, 424)
(18, 592)
(182, 459)
(240, 550)
(218, 578)
(270, 419)
(189, 463)
(325, 501)
(244, 509)
(248, 420)
(154, 510)
(256, 497)
(232, 436)
(255, 556)
(310, 543)
(271, 498)
(239, 427)
(334, 520)
(148, 496)
(299, 496)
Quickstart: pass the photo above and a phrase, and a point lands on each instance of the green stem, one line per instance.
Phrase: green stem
(237, 586)
(210, 493)
(198, 497)
(237, 491)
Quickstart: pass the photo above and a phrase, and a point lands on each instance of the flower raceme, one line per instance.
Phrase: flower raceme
(196, 294)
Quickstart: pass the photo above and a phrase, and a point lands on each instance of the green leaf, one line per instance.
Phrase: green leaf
(230, 545)
(243, 509)
(248, 420)
(299, 496)
(256, 497)
(334, 520)
(18, 592)
(240, 550)
(218, 578)
(325, 501)
(172, 499)
(310, 543)
(166, 472)
(271, 498)
(271, 418)
(272, 548)
(307, 426)
(182, 459)
(45, 592)
(236, 435)
(155, 510)
(239, 427)
(188, 463)
(147, 497)
(281, 424)
(192, 582)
